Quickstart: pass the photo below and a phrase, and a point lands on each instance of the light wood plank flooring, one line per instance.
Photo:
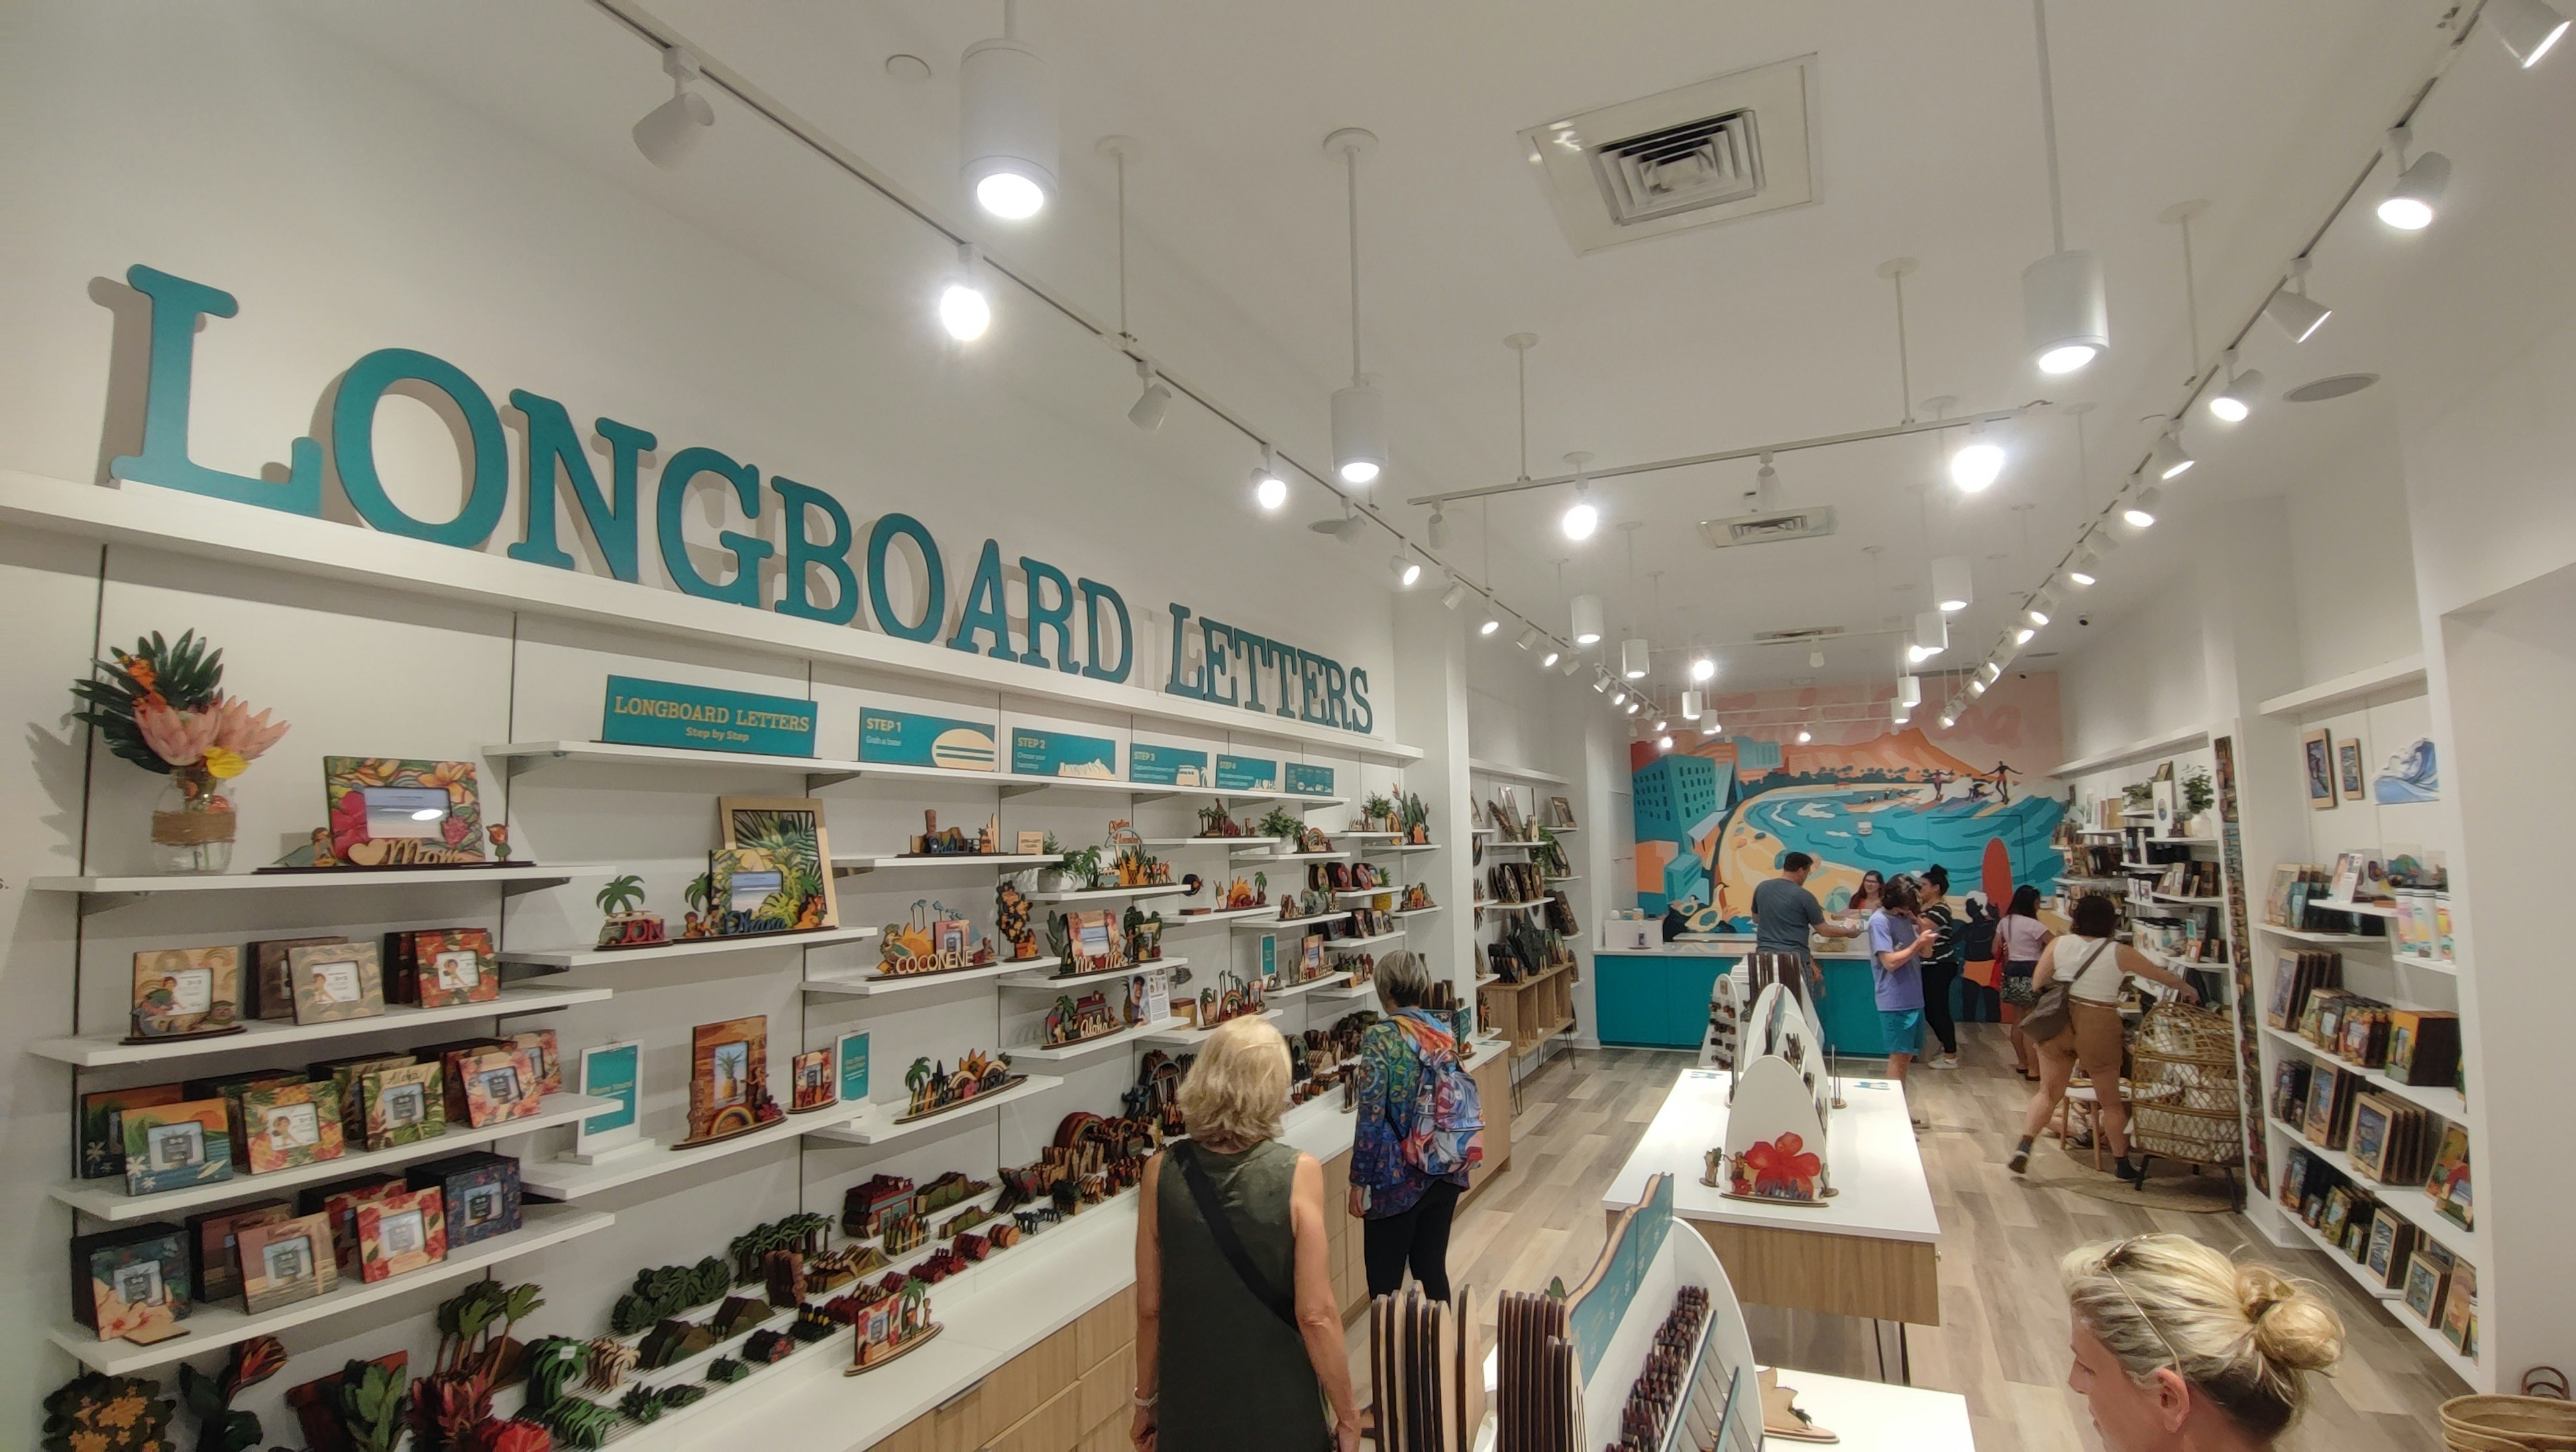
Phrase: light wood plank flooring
(2003, 1344)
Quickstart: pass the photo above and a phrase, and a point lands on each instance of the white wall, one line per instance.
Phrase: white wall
(2135, 677)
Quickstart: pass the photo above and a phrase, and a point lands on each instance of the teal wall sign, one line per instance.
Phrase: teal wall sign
(1166, 765)
(1269, 958)
(853, 1060)
(815, 577)
(1246, 774)
(1062, 753)
(903, 738)
(666, 713)
(610, 1072)
(1310, 781)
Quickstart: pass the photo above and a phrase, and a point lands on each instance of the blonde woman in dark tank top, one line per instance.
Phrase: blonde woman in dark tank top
(1242, 1358)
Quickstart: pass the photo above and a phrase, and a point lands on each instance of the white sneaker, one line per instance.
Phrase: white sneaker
(1944, 1061)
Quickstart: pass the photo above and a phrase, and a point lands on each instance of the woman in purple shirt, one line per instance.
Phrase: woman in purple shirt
(1899, 941)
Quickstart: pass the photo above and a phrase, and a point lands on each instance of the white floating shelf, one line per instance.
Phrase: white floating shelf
(877, 1125)
(680, 948)
(1051, 981)
(1350, 990)
(1218, 794)
(1299, 990)
(1290, 922)
(1372, 836)
(2465, 1368)
(1009, 783)
(954, 859)
(563, 1180)
(2362, 909)
(1197, 841)
(1421, 912)
(1125, 1038)
(1226, 915)
(1350, 894)
(106, 1199)
(2168, 744)
(1569, 877)
(2167, 897)
(2306, 935)
(1370, 940)
(1192, 1034)
(520, 756)
(552, 874)
(1108, 894)
(98, 1051)
(2430, 965)
(2441, 1099)
(1483, 979)
(870, 985)
(1481, 767)
(2409, 1201)
(1292, 856)
(1402, 847)
(214, 1326)
(1511, 907)
(2392, 680)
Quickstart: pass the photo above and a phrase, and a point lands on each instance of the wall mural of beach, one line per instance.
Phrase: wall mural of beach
(1715, 814)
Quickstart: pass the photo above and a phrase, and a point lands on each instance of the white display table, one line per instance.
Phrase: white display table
(1871, 1416)
(1868, 1251)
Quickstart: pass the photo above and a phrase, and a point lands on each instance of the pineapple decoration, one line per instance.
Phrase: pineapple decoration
(161, 706)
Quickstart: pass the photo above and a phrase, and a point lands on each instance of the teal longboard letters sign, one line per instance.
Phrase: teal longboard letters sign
(1246, 774)
(1166, 765)
(666, 713)
(904, 739)
(1310, 781)
(1062, 753)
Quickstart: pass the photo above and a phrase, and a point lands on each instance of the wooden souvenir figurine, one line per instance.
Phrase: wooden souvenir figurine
(889, 1326)
(624, 922)
(1074, 1021)
(932, 1090)
(1011, 920)
(810, 1083)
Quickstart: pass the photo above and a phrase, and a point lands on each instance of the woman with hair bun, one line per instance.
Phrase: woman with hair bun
(2180, 1349)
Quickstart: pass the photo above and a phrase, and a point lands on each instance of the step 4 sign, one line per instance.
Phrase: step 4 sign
(1310, 781)
(1247, 774)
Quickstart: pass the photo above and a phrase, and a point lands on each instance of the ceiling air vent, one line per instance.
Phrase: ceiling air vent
(1708, 152)
(1749, 529)
(1804, 632)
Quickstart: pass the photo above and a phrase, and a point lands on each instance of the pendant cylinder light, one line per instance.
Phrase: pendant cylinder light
(1008, 137)
(1909, 691)
(1693, 703)
(1586, 620)
(1931, 634)
(1359, 434)
(1953, 583)
(1634, 659)
(2066, 315)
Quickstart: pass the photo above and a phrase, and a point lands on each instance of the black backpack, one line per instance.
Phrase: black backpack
(1977, 935)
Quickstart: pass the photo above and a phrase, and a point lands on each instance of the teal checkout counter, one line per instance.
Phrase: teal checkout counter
(1658, 998)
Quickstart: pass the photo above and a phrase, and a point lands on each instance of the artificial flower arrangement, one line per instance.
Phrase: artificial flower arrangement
(162, 707)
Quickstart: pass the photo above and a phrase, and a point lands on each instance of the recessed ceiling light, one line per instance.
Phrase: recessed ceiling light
(2332, 386)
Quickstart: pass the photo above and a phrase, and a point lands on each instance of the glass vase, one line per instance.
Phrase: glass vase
(192, 825)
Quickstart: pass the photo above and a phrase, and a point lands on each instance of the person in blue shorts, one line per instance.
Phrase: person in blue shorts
(1899, 941)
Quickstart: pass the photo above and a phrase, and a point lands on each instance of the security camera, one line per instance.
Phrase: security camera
(2083, 619)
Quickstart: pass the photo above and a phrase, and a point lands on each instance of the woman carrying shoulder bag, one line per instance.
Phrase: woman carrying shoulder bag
(2076, 1020)
(1234, 1273)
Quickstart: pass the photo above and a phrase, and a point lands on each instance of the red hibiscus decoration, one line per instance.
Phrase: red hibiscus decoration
(1782, 1164)
(348, 821)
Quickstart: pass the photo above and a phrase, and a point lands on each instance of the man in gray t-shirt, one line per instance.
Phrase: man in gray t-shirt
(1785, 913)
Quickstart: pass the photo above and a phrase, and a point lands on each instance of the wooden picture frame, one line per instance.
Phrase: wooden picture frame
(288, 1125)
(214, 1244)
(132, 1284)
(2349, 774)
(404, 1104)
(728, 1079)
(286, 1260)
(399, 1233)
(186, 993)
(174, 1146)
(390, 812)
(266, 980)
(102, 1136)
(479, 1192)
(452, 966)
(791, 833)
(545, 1060)
(335, 982)
(810, 1082)
(493, 1087)
(2316, 761)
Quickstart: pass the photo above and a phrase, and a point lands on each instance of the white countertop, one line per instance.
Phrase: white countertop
(1877, 1168)
(1873, 1416)
(989, 1314)
(1728, 945)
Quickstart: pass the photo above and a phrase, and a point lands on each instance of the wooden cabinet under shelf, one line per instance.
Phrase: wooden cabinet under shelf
(1494, 1092)
(1531, 1011)
(1068, 1392)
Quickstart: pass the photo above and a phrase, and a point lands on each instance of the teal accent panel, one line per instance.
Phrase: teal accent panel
(1064, 753)
(853, 1065)
(611, 1072)
(1596, 1319)
(985, 611)
(1046, 615)
(1849, 1009)
(904, 738)
(934, 578)
(671, 500)
(169, 382)
(1166, 765)
(353, 447)
(555, 452)
(805, 554)
(1688, 982)
(1313, 781)
(1096, 596)
(665, 713)
(1246, 773)
(1632, 1002)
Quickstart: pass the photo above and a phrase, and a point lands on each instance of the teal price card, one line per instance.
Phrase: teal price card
(853, 1059)
(905, 738)
(665, 713)
(1166, 765)
(1246, 774)
(1063, 753)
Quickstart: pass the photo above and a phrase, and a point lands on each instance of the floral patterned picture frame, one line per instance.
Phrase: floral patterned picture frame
(393, 812)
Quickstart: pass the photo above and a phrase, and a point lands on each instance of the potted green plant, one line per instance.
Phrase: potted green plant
(2199, 794)
(1378, 813)
(1074, 871)
(1280, 823)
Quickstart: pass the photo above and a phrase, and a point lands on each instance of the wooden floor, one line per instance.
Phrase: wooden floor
(2003, 1341)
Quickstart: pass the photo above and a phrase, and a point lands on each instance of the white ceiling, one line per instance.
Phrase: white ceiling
(1770, 328)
